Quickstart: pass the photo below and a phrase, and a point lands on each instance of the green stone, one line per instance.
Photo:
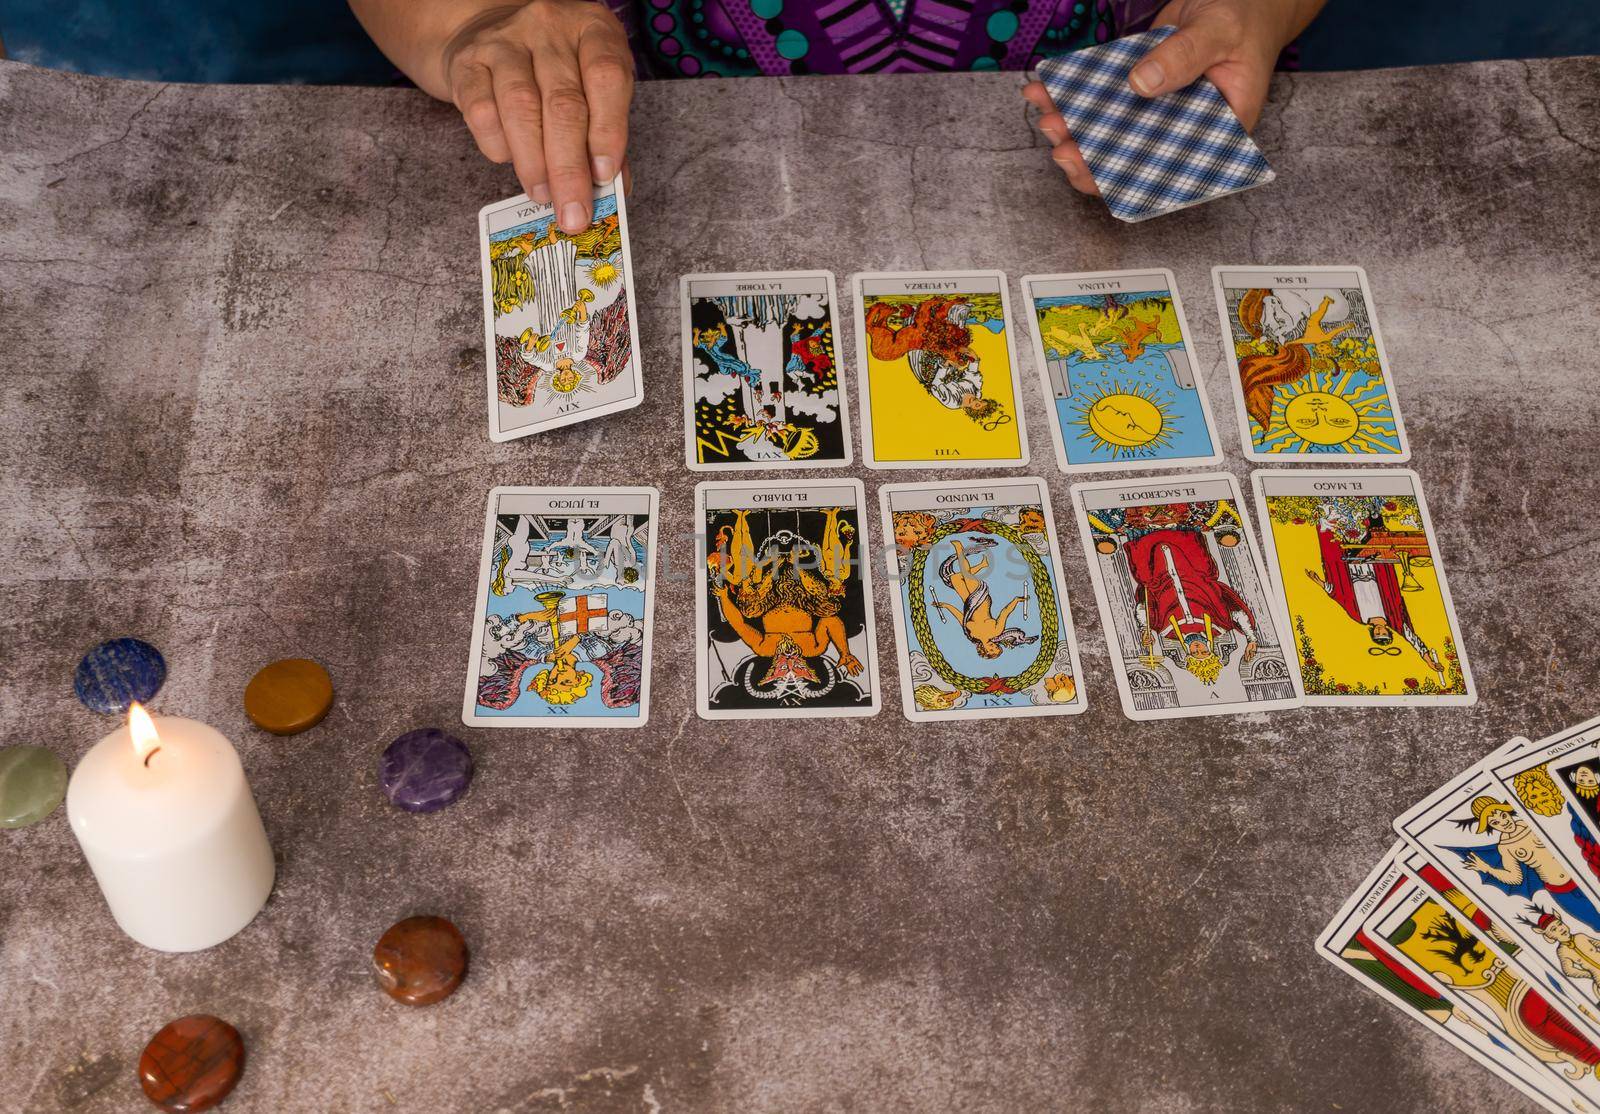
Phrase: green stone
(32, 782)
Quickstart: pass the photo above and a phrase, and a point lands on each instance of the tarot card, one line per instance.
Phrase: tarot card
(938, 375)
(784, 617)
(761, 372)
(1150, 155)
(1535, 886)
(1192, 626)
(1558, 782)
(1572, 996)
(563, 621)
(1357, 562)
(980, 611)
(560, 328)
(1428, 943)
(1311, 381)
(1113, 354)
(1376, 964)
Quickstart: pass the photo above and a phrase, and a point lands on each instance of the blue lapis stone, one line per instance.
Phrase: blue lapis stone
(116, 673)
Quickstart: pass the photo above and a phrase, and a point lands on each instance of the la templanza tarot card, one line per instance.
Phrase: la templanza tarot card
(560, 329)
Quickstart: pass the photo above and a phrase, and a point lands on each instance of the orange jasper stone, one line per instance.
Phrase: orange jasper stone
(289, 696)
(420, 960)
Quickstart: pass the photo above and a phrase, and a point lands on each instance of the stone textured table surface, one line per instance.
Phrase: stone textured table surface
(243, 418)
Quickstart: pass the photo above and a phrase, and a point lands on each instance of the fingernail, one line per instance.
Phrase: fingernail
(574, 218)
(1147, 77)
(605, 169)
(540, 194)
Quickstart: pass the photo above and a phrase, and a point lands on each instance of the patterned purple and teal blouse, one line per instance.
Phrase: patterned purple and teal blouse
(746, 38)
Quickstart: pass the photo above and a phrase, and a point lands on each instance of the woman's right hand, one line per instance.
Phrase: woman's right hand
(546, 86)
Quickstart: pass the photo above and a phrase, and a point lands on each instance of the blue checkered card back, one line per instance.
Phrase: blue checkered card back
(1150, 156)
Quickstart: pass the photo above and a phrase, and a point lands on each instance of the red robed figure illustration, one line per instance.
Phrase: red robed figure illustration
(1197, 576)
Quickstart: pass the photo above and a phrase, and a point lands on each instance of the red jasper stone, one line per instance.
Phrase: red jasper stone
(192, 1064)
(420, 960)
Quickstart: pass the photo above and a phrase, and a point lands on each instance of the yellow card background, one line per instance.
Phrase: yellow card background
(908, 424)
(1339, 643)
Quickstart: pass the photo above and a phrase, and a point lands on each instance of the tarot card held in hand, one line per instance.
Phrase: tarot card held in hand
(761, 375)
(1183, 599)
(1312, 381)
(784, 616)
(1114, 358)
(980, 612)
(1355, 557)
(938, 377)
(560, 327)
(563, 621)
(1378, 965)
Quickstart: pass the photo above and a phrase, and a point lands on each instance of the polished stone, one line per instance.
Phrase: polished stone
(32, 782)
(420, 960)
(245, 416)
(116, 673)
(425, 769)
(192, 1064)
(289, 696)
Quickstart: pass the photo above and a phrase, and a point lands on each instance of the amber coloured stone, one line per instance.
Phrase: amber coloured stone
(420, 960)
(289, 696)
(192, 1064)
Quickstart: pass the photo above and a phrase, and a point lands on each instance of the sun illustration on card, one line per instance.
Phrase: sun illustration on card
(1122, 420)
(1328, 413)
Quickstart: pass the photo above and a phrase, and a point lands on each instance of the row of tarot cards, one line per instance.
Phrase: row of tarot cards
(939, 380)
(1483, 920)
(1356, 610)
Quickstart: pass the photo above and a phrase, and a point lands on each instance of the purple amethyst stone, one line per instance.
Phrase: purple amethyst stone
(425, 769)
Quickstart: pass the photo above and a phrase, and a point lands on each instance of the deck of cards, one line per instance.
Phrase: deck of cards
(1308, 586)
(1483, 921)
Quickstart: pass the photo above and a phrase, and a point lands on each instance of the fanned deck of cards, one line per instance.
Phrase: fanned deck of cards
(1483, 921)
(1152, 155)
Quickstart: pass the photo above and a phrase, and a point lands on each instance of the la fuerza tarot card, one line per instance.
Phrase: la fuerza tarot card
(981, 613)
(563, 624)
(938, 374)
(784, 616)
(761, 372)
(1114, 358)
(1312, 381)
(560, 328)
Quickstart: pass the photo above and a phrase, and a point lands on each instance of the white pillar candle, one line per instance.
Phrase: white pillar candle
(165, 817)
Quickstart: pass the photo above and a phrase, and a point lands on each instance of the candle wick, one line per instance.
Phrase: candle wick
(149, 756)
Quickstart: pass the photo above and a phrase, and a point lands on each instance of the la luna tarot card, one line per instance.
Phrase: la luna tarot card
(1312, 382)
(784, 615)
(1114, 358)
(980, 613)
(560, 328)
(1192, 626)
(761, 375)
(1356, 559)
(563, 624)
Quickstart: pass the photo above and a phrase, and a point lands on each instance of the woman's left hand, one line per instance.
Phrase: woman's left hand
(1235, 43)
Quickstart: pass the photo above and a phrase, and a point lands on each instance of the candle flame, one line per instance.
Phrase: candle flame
(143, 730)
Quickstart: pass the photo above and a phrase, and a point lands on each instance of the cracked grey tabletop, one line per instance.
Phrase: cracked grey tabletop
(243, 418)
